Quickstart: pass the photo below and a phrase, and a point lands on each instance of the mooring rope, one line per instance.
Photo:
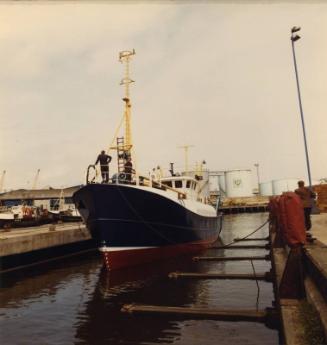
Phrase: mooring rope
(243, 238)
(258, 287)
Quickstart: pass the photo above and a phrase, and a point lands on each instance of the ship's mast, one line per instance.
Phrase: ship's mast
(124, 57)
(186, 147)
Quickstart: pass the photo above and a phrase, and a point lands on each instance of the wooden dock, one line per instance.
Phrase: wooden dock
(240, 276)
(300, 290)
(231, 258)
(243, 209)
(198, 313)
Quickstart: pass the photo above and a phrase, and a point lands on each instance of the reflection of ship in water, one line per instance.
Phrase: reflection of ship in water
(103, 321)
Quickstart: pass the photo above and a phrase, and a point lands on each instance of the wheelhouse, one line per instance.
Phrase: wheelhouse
(185, 184)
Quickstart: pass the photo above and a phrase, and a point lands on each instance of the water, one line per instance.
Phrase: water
(76, 302)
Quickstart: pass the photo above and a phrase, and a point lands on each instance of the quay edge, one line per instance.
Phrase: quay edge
(27, 246)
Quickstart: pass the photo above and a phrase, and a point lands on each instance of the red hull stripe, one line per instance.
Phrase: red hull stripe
(123, 258)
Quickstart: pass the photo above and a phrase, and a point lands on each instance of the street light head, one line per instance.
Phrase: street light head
(295, 38)
(295, 29)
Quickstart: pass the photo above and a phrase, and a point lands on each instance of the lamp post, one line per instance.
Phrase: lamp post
(258, 176)
(294, 38)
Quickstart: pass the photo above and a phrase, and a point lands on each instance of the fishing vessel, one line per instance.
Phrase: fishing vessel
(137, 219)
(23, 215)
(65, 212)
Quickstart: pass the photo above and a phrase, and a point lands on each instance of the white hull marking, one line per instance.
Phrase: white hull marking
(115, 249)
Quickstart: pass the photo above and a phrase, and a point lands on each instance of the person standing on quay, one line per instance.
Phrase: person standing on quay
(104, 165)
(306, 196)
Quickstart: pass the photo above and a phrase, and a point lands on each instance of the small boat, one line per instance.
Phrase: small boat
(139, 219)
(70, 214)
(65, 212)
(23, 215)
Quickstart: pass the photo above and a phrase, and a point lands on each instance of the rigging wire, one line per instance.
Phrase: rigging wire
(116, 133)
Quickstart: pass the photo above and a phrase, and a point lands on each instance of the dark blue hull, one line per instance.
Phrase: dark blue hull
(122, 216)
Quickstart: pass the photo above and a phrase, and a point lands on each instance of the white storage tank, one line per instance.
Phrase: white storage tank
(266, 188)
(213, 183)
(284, 185)
(238, 183)
(222, 184)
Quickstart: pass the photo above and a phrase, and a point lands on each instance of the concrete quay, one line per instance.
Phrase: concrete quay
(21, 247)
(319, 227)
(300, 284)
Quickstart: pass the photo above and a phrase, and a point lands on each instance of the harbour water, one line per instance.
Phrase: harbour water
(76, 302)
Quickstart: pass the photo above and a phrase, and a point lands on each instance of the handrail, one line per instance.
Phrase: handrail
(88, 172)
(118, 178)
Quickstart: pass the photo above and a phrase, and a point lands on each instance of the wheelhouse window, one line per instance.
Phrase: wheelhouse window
(54, 204)
(167, 183)
(188, 184)
(193, 185)
(178, 184)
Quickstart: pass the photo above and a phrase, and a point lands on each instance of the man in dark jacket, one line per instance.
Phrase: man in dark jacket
(128, 169)
(306, 195)
(104, 161)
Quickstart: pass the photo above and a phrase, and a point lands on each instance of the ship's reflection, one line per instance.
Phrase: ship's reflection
(103, 323)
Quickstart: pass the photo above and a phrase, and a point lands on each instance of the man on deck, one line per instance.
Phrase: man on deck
(306, 195)
(104, 160)
(128, 169)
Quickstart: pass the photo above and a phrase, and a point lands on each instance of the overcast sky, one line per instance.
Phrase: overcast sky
(214, 75)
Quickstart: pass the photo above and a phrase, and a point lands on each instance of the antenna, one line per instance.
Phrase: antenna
(186, 147)
(2, 180)
(61, 200)
(36, 179)
(124, 57)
